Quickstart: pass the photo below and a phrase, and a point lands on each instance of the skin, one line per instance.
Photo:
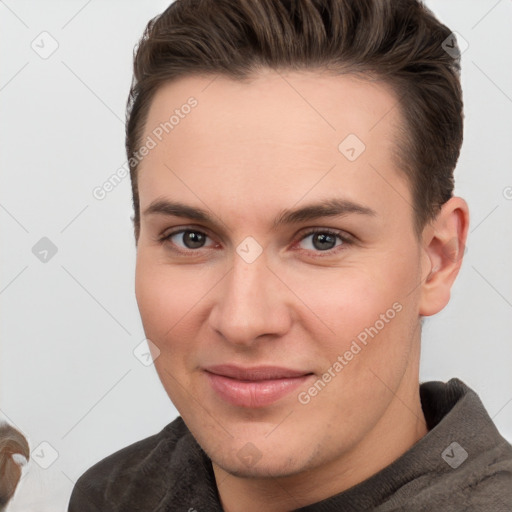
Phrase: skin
(245, 153)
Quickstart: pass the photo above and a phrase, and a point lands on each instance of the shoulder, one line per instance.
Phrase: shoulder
(126, 472)
(482, 482)
(471, 467)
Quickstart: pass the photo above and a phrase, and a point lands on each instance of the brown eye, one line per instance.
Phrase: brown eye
(186, 239)
(193, 239)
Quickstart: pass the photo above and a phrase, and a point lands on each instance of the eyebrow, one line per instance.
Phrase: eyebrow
(333, 207)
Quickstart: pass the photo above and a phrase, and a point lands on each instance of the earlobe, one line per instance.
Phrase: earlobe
(444, 247)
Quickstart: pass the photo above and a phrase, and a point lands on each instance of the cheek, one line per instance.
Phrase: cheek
(344, 301)
(166, 298)
(372, 304)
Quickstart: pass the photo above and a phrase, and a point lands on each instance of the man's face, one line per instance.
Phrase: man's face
(284, 341)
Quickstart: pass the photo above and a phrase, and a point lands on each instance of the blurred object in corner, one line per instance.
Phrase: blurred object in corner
(14, 453)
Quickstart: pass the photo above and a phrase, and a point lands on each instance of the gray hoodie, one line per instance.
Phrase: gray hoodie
(462, 464)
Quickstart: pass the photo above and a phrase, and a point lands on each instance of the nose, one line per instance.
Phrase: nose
(251, 304)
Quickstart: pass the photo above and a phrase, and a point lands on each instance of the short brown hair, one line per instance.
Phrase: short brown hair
(397, 41)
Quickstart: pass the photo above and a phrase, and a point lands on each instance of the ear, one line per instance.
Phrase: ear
(444, 243)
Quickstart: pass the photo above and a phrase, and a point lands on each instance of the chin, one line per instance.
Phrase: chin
(249, 454)
(275, 466)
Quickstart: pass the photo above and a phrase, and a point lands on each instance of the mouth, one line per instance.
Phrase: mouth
(254, 387)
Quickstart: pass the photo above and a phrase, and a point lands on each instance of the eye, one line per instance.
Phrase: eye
(323, 240)
(186, 239)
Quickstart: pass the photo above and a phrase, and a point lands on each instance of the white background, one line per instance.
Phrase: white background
(68, 374)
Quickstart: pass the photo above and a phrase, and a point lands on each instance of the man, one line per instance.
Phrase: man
(292, 175)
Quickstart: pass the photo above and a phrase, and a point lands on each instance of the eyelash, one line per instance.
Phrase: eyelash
(340, 235)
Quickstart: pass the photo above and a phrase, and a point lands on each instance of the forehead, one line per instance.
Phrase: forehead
(308, 106)
(278, 130)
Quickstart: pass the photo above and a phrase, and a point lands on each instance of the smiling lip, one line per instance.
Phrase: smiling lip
(254, 387)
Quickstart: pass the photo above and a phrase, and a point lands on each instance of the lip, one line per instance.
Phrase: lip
(254, 387)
